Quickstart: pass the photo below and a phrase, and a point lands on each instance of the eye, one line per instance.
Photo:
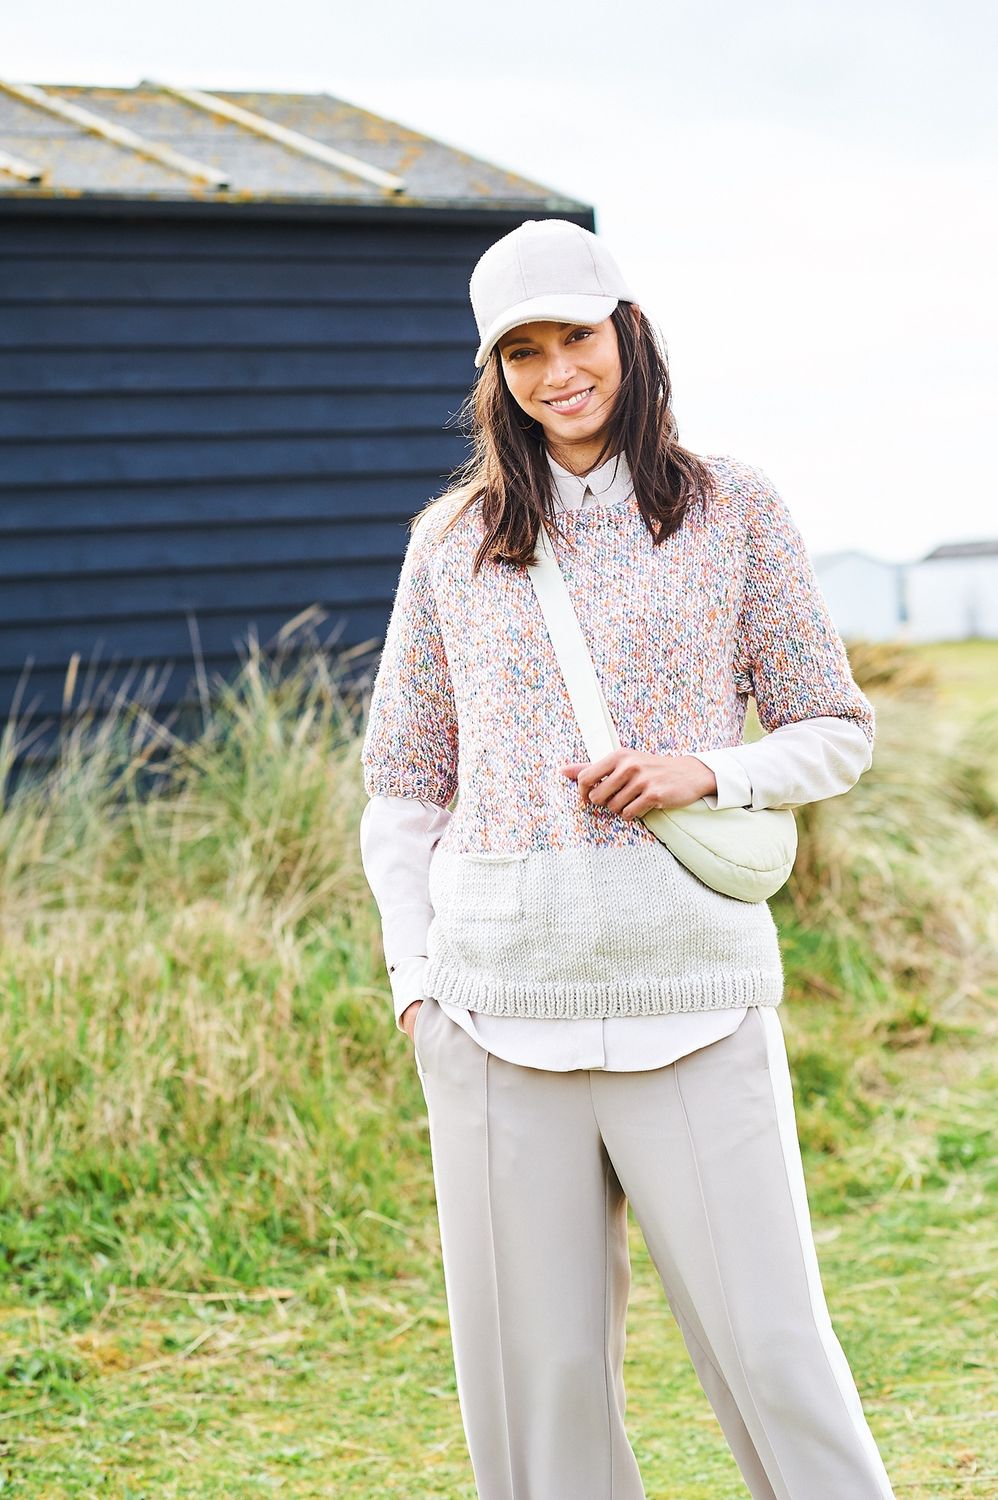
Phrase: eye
(580, 333)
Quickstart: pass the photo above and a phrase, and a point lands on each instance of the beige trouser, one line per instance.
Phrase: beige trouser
(533, 1170)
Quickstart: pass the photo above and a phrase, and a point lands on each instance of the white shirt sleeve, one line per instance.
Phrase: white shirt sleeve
(797, 763)
(397, 838)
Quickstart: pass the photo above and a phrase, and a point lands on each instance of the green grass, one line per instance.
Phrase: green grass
(220, 1271)
(964, 673)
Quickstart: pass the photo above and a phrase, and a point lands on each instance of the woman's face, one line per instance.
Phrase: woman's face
(565, 376)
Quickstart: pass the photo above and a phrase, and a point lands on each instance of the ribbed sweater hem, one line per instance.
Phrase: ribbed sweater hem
(584, 1000)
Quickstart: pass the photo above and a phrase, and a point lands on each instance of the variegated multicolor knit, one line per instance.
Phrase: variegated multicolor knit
(544, 905)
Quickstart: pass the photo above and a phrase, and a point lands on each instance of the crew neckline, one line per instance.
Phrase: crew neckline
(578, 515)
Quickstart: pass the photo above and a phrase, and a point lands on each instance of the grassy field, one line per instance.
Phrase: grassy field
(220, 1269)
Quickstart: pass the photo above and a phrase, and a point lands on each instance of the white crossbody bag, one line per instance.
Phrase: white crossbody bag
(743, 852)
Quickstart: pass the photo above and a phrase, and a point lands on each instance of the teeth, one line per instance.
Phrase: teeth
(572, 401)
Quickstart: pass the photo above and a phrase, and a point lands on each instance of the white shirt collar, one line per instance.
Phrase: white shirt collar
(609, 484)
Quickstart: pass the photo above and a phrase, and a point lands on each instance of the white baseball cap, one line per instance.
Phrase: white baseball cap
(549, 270)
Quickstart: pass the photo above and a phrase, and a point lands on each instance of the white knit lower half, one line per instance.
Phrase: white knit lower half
(779, 1073)
(593, 931)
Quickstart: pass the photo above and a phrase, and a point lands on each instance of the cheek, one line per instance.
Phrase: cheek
(519, 386)
(610, 365)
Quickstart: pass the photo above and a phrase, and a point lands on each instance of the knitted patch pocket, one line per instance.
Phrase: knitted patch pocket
(477, 886)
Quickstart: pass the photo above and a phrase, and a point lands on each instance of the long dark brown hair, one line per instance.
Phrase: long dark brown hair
(507, 468)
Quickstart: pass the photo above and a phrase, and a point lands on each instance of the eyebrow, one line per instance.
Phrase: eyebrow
(522, 338)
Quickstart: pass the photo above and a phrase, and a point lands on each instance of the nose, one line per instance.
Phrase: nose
(559, 369)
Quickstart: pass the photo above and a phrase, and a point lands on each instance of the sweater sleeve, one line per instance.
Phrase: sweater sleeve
(789, 655)
(410, 742)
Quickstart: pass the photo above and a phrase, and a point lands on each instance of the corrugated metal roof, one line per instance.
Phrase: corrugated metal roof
(383, 163)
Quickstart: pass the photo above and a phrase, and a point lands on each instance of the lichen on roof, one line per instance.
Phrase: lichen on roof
(77, 160)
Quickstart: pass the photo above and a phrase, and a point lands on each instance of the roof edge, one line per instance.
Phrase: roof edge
(470, 213)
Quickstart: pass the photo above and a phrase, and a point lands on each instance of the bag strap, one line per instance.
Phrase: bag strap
(584, 691)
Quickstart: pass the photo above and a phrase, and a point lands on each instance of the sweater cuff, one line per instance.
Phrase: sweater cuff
(734, 789)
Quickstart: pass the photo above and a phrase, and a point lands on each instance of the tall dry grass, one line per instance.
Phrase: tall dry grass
(907, 862)
(193, 993)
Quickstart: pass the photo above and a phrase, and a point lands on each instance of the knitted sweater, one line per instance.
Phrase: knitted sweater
(544, 906)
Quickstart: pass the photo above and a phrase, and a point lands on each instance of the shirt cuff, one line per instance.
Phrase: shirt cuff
(406, 979)
(806, 761)
(734, 788)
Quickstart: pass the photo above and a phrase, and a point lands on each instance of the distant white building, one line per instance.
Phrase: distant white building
(949, 595)
(953, 593)
(864, 593)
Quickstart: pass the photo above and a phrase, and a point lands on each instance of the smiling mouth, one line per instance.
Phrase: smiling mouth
(567, 403)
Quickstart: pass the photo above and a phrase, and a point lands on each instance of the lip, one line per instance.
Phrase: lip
(570, 411)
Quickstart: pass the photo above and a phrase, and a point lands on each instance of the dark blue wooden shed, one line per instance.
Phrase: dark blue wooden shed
(232, 329)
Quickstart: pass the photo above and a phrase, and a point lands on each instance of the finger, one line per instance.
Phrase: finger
(613, 788)
(637, 808)
(595, 770)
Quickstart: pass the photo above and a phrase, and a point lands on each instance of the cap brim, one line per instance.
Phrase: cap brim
(565, 307)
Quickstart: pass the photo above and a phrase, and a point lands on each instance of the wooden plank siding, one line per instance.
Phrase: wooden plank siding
(218, 422)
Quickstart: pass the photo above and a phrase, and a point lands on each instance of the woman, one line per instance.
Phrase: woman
(592, 1024)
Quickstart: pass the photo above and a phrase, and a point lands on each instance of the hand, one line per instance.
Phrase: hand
(409, 1018)
(631, 783)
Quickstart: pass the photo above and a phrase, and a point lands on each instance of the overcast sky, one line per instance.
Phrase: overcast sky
(803, 195)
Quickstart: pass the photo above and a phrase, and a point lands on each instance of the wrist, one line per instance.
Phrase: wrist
(706, 780)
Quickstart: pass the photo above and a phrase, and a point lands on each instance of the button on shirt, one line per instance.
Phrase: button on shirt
(797, 763)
